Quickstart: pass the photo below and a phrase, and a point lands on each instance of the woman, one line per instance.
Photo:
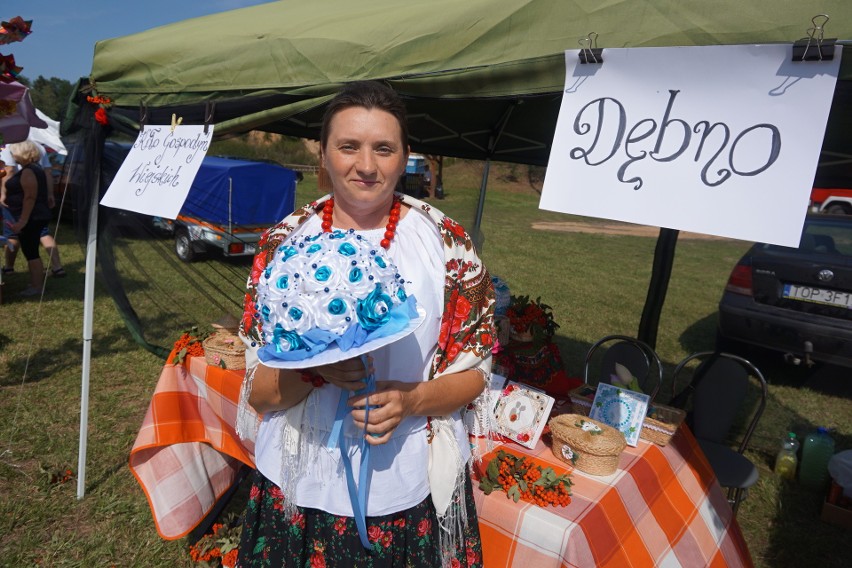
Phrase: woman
(27, 199)
(420, 509)
(10, 167)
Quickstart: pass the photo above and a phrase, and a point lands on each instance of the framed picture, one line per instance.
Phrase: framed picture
(522, 412)
(622, 409)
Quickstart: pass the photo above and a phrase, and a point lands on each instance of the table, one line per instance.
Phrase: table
(662, 507)
(187, 454)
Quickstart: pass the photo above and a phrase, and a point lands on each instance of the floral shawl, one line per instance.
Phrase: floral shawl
(466, 336)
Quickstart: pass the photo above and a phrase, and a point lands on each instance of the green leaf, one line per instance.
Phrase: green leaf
(493, 470)
(514, 493)
(523, 485)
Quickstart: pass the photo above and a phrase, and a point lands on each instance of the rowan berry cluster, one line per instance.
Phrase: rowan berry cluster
(520, 478)
(186, 344)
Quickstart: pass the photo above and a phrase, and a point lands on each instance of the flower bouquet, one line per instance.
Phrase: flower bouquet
(530, 320)
(218, 548)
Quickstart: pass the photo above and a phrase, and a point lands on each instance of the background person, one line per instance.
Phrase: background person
(420, 509)
(46, 239)
(27, 201)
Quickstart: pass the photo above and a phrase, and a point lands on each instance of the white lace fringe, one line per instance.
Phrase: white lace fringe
(246, 425)
(452, 525)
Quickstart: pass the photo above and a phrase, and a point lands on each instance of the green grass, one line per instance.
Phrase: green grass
(596, 283)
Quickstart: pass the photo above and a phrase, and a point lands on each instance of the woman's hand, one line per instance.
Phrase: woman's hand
(392, 402)
(350, 374)
(17, 226)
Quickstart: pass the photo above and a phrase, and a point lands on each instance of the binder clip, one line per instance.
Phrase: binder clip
(589, 50)
(815, 47)
(143, 116)
(176, 121)
(209, 110)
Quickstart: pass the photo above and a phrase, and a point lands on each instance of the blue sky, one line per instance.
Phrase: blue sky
(64, 32)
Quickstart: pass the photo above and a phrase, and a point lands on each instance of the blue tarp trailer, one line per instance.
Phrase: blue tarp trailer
(230, 203)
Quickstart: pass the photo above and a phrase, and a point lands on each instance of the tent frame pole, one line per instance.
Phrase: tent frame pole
(88, 319)
(658, 286)
(478, 237)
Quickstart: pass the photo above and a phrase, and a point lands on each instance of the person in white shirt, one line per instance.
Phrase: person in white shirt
(419, 506)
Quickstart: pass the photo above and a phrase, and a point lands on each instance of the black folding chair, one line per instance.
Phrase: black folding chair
(637, 356)
(717, 391)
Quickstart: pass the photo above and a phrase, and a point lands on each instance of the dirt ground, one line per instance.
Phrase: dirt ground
(614, 228)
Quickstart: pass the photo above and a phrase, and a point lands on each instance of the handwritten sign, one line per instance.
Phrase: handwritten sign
(722, 140)
(156, 175)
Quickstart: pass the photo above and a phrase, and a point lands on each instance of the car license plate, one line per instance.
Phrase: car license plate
(818, 295)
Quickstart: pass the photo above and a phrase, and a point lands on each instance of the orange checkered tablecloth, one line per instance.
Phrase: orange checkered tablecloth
(187, 454)
(662, 507)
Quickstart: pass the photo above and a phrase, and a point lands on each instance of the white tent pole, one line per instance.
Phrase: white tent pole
(88, 316)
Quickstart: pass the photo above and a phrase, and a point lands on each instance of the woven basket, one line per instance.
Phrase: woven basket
(589, 445)
(225, 350)
(581, 399)
(660, 424)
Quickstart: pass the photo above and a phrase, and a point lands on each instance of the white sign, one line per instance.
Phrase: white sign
(158, 172)
(722, 140)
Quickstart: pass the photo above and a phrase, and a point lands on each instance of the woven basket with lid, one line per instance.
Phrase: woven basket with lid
(589, 445)
(225, 350)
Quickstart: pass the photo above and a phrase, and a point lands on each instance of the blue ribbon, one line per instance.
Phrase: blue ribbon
(357, 493)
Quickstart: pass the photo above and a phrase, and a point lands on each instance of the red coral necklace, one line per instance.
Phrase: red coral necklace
(390, 228)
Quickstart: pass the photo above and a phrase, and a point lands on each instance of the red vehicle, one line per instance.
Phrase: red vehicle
(837, 201)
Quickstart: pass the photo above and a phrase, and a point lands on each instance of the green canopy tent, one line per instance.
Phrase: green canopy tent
(482, 79)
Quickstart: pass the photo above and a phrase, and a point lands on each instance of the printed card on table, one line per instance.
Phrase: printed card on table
(522, 412)
(622, 409)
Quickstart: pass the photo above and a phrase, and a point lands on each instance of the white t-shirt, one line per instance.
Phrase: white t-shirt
(399, 478)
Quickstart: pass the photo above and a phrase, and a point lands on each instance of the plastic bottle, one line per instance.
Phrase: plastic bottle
(817, 449)
(786, 461)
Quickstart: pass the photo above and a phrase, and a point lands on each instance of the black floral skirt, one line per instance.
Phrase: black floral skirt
(311, 538)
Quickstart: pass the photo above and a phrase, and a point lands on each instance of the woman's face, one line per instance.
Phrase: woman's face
(364, 157)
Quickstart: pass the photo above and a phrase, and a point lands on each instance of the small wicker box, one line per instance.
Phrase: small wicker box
(659, 425)
(581, 399)
(226, 350)
(589, 445)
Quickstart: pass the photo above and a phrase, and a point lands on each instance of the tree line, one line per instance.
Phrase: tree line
(50, 96)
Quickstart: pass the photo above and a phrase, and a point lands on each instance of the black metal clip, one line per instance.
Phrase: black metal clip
(589, 50)
(815, 47)
(143, 116)
(209, 110)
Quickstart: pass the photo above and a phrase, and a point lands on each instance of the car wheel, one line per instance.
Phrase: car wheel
(836, 209)
(183, 246)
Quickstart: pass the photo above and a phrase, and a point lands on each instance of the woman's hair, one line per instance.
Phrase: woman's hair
(25, 152)
(369, 95)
